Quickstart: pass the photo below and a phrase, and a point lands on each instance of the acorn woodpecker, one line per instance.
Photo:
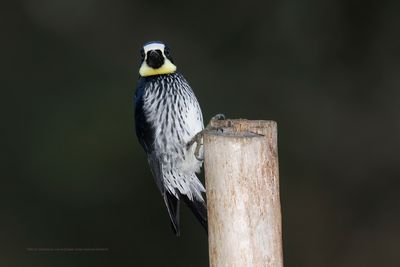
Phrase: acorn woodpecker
(167, 118)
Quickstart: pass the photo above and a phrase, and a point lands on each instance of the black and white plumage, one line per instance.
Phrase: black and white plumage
(167, 117)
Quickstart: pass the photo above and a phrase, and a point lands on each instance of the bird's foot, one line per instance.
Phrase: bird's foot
(199, 143)
(196, 139)
(199, 136)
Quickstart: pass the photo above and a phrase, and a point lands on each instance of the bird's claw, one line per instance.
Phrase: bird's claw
(196, 139)
(199, 136)
(218, 117)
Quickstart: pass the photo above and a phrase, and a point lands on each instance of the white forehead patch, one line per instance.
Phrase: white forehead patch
(153, 46)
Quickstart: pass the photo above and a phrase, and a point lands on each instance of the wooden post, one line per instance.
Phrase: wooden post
(242, 180)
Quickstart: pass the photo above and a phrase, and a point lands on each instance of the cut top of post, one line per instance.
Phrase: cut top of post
(267, 128)
(243, 125)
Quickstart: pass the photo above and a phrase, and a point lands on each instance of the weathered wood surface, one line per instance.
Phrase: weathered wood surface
(242, 180)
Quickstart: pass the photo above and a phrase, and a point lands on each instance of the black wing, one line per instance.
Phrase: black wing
(144, 131)
(145, 134)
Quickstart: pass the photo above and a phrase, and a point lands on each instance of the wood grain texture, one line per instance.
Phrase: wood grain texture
(242, 181)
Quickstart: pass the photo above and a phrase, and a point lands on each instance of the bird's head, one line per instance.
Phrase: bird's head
(156, 59)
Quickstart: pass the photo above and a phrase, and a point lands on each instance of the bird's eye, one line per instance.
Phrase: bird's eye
(142, 54)
(166, 52)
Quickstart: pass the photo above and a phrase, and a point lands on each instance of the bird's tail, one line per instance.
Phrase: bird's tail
(188, 188)
(199, 209)
(173, 207)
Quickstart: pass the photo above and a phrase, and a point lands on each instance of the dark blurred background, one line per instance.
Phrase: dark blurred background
(74, 175)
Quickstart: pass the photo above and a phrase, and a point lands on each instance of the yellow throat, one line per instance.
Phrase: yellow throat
(166, 68)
